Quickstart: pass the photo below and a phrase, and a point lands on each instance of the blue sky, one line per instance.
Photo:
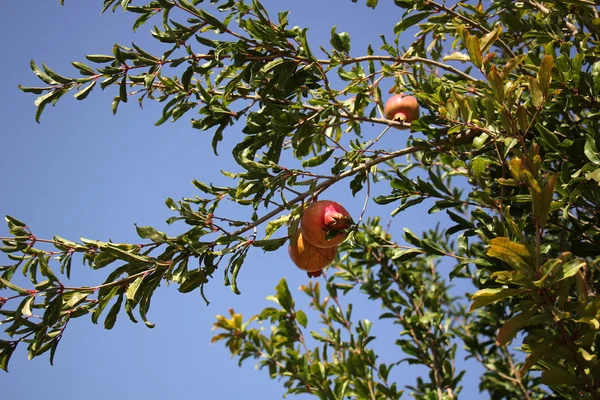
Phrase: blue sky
(84, 172)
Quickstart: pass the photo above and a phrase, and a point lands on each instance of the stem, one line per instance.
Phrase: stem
(514, 372)
(538, 244)
(362, 167)
(364, 209)
(581, 368)
(346, 61)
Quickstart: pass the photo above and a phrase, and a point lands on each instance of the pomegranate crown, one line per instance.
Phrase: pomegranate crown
(335, 220)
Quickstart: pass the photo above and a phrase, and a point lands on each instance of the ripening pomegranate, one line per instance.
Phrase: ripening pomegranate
(401, 108)
(324, 223)
(308, 257)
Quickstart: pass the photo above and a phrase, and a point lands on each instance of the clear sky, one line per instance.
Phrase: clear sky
(84, 172)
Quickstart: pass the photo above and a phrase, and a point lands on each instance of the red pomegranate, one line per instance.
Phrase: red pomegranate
(324, 223)
(401, 108)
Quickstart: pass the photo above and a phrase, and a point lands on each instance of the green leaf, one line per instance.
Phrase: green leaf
(212, 20)
(560, 376)
(100, 58)
(103, 302)
(283, 296)
(133, 287)
(146, 297)
(103, 259)
(403, 255)
(545, 73)
(72, 299)
(567, 270)
(14, 224)
(537, 95)
(411, 237)
(6, 350)
(407, 22)
(549, 137)
(186, 5)
(42, 101)
(484, 297)
(590, 150)
(270, 244)
(53, 75)
(83, 93)
(511, 64)
(193, 281)
(457, 56)
(129, 256)
(479, 166)
(431, 248)
(37, 71)
(301, 318)
(496, 84)
(438, 183)
(45, 268)
(83, 68)
(304, 42)
(547, 270)
(474, 49)
(274, 225)
(148, 232)
(53, 310)
(513, 277)
(35, 90)
(546, 200)
(489, 38)
(511, 327)
(13, 287)
(596, 76)
(25, 307)
(318, 160)
(123, 89)
(340, 41)
(111, 317)
(407, 204)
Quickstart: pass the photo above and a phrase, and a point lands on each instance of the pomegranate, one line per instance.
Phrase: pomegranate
(401, 108)
(324, 223)
(308, 257)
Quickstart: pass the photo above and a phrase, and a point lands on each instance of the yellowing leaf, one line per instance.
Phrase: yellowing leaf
(560, 376)
(489, 38)
(484, 297)
(457, 56)
(514, 254)
(537, 96)
(496, 84)
(474, 48)
(510, 329)
(545, 73)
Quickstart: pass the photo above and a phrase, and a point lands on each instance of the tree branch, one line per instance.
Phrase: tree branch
(475, 24)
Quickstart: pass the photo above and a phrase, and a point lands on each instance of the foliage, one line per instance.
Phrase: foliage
(506, 149)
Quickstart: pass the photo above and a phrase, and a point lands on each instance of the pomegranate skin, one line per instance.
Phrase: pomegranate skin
(308, 257)
(401, 108)
(325, 219)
